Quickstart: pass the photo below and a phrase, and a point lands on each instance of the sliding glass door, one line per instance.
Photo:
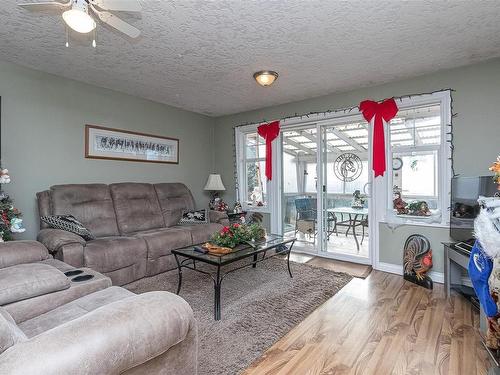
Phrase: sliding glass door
(300, 187)
(325, 189)
(345, 193)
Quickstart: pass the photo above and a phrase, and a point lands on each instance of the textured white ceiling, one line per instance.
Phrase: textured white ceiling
(200, 55)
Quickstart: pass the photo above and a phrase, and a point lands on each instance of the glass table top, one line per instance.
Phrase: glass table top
(241, 251)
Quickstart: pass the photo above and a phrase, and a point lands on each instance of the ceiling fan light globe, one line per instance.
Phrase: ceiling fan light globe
(79, 21)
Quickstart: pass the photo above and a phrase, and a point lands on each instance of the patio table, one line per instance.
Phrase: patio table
(356, 216)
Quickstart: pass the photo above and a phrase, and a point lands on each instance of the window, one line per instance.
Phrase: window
(290, 183)
(254, 182)
(419, 163)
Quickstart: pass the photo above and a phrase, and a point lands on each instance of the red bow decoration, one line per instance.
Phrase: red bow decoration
(269, 132)
(384, 111)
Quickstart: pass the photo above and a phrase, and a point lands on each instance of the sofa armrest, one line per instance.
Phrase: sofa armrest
(108, 340)
(218, 217)
(19, 252)
(54, 239)
(71, 254)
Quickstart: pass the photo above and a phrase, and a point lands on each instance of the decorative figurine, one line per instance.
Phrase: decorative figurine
(399, 204)
(495, 168)
(256, 196)
(484, 266)
(237, 208)
(484, 261)
(417, 260)
(358, 201)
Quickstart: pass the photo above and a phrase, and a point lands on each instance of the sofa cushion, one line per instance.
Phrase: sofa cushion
(68, 223)
(73, 310)
(29, 280)
(202, 232)
(91, 204)
(161, 242)
(112, 253)
(10, 334)
(136, 207)
(174, 198)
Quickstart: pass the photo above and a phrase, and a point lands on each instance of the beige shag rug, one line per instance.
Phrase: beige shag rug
(259, 306)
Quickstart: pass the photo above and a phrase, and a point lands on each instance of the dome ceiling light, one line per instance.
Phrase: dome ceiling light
(265, 77)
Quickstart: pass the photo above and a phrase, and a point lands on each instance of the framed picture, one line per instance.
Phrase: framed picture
(116, 144)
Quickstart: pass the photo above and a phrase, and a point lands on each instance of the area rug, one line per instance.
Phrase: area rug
(259, 306)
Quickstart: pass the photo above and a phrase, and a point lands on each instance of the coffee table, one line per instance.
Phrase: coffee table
(258, 251)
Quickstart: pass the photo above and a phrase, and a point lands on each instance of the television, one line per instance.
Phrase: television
(464, 207)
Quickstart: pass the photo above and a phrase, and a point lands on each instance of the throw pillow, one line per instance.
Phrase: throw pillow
(194, 217)
(69, 224)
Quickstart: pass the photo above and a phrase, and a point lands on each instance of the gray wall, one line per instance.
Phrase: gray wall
(43, 119)
(476, 131)
(392, 242)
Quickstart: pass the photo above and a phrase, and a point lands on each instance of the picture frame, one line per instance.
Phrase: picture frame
(117, 144)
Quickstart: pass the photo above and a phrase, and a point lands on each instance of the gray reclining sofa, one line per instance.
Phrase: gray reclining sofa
(136, 226)
(54, 323)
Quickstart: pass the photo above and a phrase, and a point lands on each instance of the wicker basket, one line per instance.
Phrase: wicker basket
(216, 250)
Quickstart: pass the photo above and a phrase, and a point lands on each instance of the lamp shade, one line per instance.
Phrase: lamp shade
(214, 183)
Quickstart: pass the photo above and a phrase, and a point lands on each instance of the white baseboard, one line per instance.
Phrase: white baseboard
(437, 277)
(389, 267)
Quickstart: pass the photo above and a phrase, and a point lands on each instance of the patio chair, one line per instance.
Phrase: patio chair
(307, 216)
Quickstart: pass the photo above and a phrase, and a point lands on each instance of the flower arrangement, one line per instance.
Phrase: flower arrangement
(234, 234)
(495, 168)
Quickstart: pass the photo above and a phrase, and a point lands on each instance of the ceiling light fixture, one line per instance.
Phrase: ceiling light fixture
(265, 77)
(78, 17)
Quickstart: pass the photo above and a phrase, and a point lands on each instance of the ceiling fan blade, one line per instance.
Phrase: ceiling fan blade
(117, 23)
(118, 5)
(46, 5)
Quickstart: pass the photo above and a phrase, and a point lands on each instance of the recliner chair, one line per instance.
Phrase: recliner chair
(52, 324)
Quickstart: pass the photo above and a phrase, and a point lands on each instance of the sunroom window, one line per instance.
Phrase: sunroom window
(255, 186)
(415, 137)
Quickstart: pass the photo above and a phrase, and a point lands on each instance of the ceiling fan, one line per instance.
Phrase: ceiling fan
(80, 15)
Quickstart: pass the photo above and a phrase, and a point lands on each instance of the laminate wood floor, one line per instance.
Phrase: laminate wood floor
(382, 325)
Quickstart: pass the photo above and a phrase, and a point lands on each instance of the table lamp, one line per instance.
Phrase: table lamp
(214, 185)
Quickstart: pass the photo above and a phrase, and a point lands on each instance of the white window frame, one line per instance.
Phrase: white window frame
(443, 98)
(240, 134)
(379, 184)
